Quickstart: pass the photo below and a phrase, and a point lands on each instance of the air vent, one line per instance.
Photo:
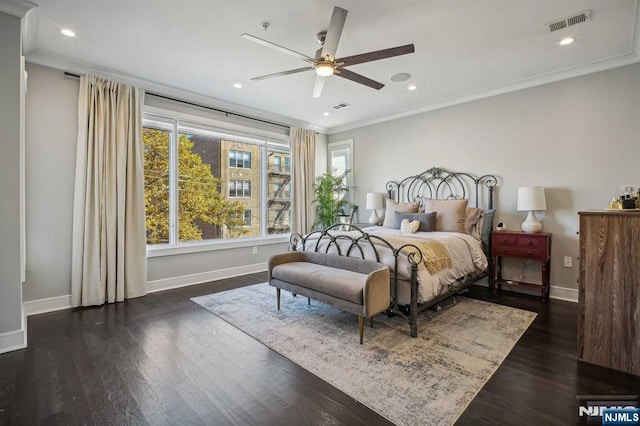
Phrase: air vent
(341, 105)
(569, 21)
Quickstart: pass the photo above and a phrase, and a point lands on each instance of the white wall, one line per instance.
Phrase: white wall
(580, 138)
(52, 127)
(11, 334)
(52, 102)
(321, 153)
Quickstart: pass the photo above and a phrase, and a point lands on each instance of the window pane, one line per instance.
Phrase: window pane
(204, 209)
(156, 184)
(279, 196)
(246, 179)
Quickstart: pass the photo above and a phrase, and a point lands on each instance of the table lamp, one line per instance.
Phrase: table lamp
(374, 202)
(531, 198)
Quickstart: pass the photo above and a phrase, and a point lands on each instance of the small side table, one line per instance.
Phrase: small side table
(520, 245)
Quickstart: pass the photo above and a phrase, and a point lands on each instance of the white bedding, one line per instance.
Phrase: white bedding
(465, 252)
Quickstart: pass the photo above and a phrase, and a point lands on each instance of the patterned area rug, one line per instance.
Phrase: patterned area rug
(410, 381)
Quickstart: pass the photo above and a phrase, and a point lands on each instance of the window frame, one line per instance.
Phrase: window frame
(229, 131)
(242, 159)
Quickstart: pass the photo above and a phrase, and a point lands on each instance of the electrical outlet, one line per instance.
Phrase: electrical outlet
(254, 250)
(568, 262)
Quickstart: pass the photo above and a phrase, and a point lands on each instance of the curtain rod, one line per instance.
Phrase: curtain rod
(227, 113)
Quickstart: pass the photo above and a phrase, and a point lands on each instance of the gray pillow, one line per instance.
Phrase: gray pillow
(427, 220)
(487, 226)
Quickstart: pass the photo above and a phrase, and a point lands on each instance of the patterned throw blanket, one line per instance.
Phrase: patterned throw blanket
(435, 256)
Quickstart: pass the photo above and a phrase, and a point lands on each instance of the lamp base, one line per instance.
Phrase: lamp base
(531, 224)
(374, 219)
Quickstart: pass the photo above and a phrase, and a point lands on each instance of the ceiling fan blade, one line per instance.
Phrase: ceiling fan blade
(317, 87)
(278, 74)
(350, 75)
(334, 32)
(277, 47)
(376, 55)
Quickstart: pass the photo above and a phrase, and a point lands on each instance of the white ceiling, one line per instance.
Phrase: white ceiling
(465, 49)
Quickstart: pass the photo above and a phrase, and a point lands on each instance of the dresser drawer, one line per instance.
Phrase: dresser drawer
(530, 241)
(525, 253)
(504, 240)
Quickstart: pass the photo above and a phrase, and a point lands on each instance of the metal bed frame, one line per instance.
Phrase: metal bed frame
(434, 183)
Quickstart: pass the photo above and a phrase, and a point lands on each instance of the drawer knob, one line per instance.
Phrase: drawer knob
(530, 254)
(505, 242)
(506, 251)
(530, 243)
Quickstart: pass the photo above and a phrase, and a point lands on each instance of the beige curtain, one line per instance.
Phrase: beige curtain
(109, 261)
(303, 151)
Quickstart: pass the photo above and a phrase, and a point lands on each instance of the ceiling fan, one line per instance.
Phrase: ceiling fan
(325, 62)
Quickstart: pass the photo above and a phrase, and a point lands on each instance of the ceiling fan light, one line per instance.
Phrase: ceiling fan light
(325, 69)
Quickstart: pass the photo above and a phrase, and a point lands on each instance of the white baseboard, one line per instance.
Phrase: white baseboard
(50, 304)
(203, 277)
(555, 292)
(563, 293)
(16, 339)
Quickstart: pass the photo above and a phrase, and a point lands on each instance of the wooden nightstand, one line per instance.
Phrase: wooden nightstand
(520, 245)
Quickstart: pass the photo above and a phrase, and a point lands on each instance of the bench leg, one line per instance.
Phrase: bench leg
(371, 322)
(309, 301)
(278, 296)
(361, 324)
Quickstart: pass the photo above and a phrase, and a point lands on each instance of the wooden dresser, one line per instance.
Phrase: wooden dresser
(609, 289)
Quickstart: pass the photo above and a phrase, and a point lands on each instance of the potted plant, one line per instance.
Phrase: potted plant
(329, 190)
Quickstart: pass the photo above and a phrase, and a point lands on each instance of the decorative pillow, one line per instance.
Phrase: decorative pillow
(393, 207)
(487, 226)
(451, 214)
(473, 222)
(409, 227)
(427, 220)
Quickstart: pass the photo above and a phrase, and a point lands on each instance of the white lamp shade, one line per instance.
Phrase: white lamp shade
(374, 200)
(531, 198)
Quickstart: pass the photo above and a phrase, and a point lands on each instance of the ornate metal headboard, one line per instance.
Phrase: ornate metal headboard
(442, 184)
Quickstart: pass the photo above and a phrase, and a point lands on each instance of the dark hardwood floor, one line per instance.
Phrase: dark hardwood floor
(162, 359)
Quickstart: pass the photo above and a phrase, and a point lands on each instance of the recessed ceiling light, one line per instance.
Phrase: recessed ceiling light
(566, 41)
(237, 85)
(68, 32)
(325, 114)
(411, 87)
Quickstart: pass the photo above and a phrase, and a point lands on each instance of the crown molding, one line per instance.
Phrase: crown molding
(603, 65)
(17, 8)
(75, 67)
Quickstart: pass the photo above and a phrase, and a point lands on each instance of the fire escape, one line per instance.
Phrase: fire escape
(279, 204)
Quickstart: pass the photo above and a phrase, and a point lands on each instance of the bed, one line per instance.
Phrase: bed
(430, 265)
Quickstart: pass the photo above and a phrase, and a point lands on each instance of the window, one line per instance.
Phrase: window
(192, 193)
(279, 180)
(239, 188)
(340, 161)
(240, 159)
(287, 164)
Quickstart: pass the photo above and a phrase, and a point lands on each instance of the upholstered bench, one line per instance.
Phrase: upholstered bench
(354, 285)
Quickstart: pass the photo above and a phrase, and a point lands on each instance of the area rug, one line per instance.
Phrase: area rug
(410, 381)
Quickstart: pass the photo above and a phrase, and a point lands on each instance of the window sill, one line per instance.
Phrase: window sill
(195, 247)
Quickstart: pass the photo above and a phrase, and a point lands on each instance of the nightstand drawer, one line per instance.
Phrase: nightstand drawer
(504, 240)
(529, 241)
(526, 253)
